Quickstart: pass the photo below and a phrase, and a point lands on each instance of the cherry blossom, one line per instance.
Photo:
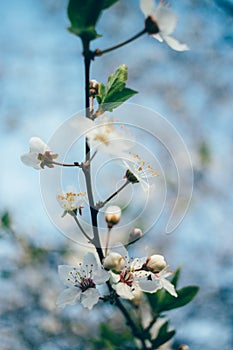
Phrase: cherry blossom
(138, 170)
(155, 281)
(39, 155)
(161, 22)
(137, 275)
(81, 282)
(105, 135)
(71, 201)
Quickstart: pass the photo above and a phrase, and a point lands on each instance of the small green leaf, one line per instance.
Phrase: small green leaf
(175, 277)
(108, 3)
(162, 301)
(115, 92)
(6, 220)
(185, 295)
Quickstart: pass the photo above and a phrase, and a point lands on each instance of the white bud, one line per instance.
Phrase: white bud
(93, 88)
(114, 261)
(183, 347)
(155, 263)
(135, 234)
(112, 215)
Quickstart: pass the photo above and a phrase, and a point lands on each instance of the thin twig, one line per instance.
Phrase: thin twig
(107, 241)
(102, 204)
(76, 164)
(99, 52)
(80, 227)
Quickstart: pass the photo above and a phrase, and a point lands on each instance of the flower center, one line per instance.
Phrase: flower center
(82, 278)
(127, 277)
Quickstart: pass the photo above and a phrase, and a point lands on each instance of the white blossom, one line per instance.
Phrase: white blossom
(39, 154)
(70, 200)
(126, 282)
(138, 170)
(155, 281)
(164, 21)
(135, 276)
(105, 135)
(81, 282)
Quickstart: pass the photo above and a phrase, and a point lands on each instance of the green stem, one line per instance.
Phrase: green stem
(99, 52)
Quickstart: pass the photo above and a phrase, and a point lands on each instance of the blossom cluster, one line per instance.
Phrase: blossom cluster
(128, 277)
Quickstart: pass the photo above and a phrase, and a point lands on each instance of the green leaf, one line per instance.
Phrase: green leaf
(162, 301)
(84, 15)
(185, 295)
(6, 220)
(163, 336)
(115, 92)
(108, 3)
(175, 277)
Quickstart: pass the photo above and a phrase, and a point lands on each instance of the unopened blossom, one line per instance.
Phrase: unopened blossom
(161, 22)
(71, 201)
(81, 282)
(138, 170)
(93, 88)
(135, 235)
(155, 263)
(112, 215)
(114, 261)
(39, 154)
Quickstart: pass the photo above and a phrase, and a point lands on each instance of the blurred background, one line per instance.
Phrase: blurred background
(41, 84)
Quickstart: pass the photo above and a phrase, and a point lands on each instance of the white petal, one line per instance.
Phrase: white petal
(64, 274)
(83, 125)
(30, 159)
(175, 44)
(147, 7)
(149, 286)
(137, 263)
(101, 276)
(158, 37)
(68, 296)
(124, 291)
(90, 297)
(169, 287)
(37, 145)
(90, 261)
(166, 19)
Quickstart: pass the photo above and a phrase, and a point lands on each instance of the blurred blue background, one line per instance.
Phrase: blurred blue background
(41, 84)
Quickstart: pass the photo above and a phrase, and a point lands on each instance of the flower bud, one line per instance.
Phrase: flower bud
(112, 215)
(183, 347)
(155, 263)
(93, 88)
(114, 261)
(135, 234)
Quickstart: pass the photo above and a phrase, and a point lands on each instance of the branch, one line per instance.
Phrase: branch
(99, 52)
